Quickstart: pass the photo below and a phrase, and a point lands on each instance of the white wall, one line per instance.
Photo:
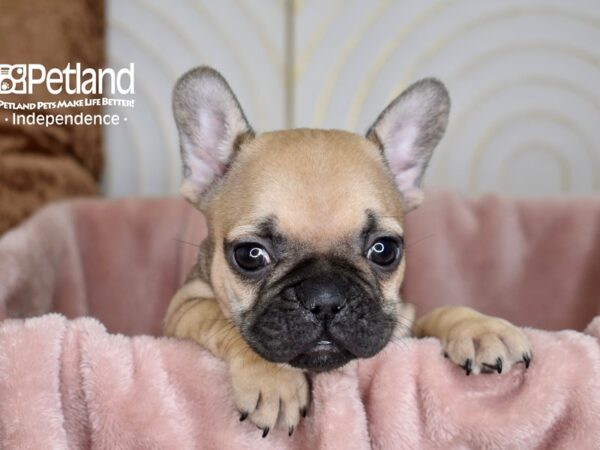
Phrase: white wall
(524, 77)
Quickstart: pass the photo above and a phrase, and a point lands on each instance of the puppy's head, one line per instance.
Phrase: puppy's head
(305, 249)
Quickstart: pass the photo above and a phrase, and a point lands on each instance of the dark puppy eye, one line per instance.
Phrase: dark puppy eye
(384, 252)
(251, 256)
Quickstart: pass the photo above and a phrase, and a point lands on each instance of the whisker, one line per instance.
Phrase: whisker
(186, 242)
(418, 241)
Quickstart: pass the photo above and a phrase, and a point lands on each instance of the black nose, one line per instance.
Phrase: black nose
(324, 296)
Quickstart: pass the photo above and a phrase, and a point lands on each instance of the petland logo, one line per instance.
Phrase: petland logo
(23, 78)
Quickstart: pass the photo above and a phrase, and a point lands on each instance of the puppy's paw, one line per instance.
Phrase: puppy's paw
(266, 393)
(486, 344)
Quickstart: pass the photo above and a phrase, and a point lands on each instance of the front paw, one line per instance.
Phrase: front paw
(486, 344)
(266, 393)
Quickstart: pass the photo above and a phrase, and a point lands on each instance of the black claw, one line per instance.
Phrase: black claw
(468, 367)
(303, 412)
(243, 416)
(265, 432)
(446, 355)
(499, 365)
(290, 430)
(526, 360)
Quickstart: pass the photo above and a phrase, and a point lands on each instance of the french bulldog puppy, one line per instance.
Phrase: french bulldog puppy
(302, 266)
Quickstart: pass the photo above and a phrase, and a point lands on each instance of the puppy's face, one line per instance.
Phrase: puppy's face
(308, 247)
(305, 250)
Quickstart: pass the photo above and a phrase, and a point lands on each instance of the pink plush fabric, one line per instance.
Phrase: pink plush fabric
(119, 261)
(70, 384)
(534, 262)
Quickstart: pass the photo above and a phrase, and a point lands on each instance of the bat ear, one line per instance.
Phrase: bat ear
(210, 123)
(408, 130)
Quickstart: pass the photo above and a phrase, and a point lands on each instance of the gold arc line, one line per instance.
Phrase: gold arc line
(172, 163)
(325, 93)
(461, 72)
(489, 135)
(148, 94)
(136, 147)
(204, 13)
(384, 54)
(499, 52)
(315, 37)
(489, 93)
(125, 29)
(537, 146)
(436, 47)
(136, 155)
(190, 44)
(176, 29)
(433, 49)
(263, 38)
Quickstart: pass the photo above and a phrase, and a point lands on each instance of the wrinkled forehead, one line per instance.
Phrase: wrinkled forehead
(319, 218)
(316, 191)
(320, 238)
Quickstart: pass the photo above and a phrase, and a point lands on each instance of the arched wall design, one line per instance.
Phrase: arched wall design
(524, 78)
(241, 38)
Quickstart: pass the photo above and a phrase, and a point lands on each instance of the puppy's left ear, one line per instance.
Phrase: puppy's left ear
(408, 130)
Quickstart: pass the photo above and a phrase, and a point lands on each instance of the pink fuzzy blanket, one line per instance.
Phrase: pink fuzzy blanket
(71, 384)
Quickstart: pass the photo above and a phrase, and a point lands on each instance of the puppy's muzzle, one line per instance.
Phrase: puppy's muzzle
(323, 296)
(318, 318)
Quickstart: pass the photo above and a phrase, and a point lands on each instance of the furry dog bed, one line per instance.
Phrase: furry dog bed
(73, 384)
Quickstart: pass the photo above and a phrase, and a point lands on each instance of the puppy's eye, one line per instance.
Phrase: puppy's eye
(251, 256)
(384, 252)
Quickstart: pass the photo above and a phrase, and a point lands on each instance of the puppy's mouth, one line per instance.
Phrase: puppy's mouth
(325, 355)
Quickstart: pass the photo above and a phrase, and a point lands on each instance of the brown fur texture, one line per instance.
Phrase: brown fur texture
(41, 164)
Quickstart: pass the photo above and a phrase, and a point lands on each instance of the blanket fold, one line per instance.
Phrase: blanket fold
(70, 384)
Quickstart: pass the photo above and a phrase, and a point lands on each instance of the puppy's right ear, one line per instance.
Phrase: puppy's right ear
(211, 123)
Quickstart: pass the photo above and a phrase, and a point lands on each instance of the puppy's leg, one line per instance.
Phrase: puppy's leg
(475, 341)
(263, 391)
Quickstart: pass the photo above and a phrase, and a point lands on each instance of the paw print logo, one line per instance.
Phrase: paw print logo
(12, 79)
(6, 86)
